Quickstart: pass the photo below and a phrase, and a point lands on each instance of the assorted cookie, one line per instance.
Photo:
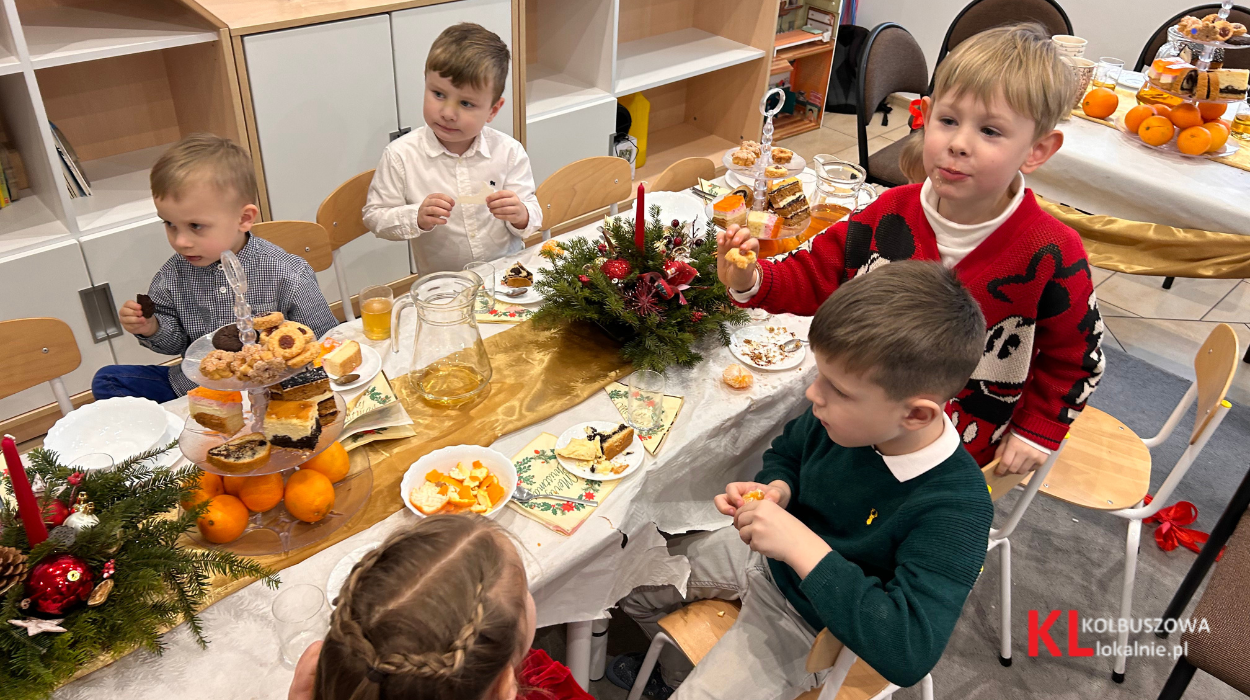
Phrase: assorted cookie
(281, 345)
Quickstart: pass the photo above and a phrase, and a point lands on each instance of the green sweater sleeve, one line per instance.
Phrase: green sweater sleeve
(782, 459)
(900, 628)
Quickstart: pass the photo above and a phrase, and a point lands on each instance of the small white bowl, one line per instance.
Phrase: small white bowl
(445, 459)
(120, 427)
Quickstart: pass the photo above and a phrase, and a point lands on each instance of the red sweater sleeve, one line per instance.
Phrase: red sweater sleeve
(800, 281)
(1068, 361)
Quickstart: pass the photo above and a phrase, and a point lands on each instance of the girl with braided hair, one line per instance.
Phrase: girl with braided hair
(438, 612)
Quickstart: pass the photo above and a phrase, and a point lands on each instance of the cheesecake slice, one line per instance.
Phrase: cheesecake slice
(292, 424)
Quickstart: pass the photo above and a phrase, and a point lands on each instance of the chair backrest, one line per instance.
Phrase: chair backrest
(980, 15)
(582, 187)
(306, 239)
(682, 174)
(36, 350)
(1214, 366)
(1232, 59)
(340, 213)
(892, 62)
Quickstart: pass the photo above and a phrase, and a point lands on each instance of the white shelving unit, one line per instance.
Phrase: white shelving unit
(667, 58)
(60, 35)
(549, 93)
(120, 189)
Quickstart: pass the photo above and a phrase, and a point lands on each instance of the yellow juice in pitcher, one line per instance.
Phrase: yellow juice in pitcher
(448, 384)
(375, 314)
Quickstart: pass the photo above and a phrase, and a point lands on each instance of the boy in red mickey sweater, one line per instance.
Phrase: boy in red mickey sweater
(990, 121)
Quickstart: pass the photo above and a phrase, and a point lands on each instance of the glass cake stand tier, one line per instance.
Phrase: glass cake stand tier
(196, 440)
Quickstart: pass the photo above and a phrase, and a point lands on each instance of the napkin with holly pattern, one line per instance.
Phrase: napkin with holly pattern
(489, 310)
(539, 471)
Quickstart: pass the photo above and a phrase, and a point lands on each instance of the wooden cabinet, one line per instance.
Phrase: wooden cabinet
(45, 282)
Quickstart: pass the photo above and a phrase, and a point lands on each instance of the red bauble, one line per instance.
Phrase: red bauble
(55, 513)
(583, 279)
(57, 585)
(678, 272)
(617, 269)
(697, 316)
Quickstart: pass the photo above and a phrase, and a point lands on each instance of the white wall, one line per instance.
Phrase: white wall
(1117, 28)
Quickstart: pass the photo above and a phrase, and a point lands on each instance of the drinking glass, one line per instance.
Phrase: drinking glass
(645, 406)
(1241, 122)
(94, 461)
(486, 293)
(1107, 72)
(302, 617)
(375, 311)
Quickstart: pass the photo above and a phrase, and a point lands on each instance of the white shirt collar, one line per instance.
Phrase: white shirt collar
(909, 466)
(434, 148)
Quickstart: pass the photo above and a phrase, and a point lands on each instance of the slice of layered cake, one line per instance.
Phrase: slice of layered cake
(729, 210)
(292, 424)
(789, 203)
(313, 384)
(216, 410)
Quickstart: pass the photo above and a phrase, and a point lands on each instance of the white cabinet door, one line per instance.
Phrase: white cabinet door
(413, 32)
(324, 99)
(45, 282)
(128, 258)
(554, 142)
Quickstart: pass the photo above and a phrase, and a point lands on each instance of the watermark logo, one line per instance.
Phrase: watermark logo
(1040, 634)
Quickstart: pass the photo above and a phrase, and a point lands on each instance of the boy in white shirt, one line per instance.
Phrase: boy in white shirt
(423, 175)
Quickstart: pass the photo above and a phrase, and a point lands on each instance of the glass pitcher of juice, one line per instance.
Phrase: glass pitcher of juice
(449, 363)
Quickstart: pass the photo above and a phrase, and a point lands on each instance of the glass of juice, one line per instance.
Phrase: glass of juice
(1107, 72)
(375, 311)
(1241, 123)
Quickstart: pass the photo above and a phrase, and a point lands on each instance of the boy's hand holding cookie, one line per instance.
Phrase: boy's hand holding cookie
(740, 493)
(771, 530)
(735, 258)
(434, 211)
(139, 317)
(506, 205)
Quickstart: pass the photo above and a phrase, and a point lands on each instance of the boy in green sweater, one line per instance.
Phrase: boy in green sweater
(873, 518)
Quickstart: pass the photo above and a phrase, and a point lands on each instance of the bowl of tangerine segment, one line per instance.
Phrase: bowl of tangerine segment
(459, 479)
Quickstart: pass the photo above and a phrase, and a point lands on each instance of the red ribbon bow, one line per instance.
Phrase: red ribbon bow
(917, 117)
(1172, 531)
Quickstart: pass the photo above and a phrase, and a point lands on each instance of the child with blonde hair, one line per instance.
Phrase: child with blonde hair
(989, 122)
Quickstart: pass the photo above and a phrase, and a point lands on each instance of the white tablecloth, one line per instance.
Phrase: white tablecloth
(1101, 171)
(717, 438)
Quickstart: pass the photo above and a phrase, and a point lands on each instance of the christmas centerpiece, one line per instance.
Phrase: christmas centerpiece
(650, 284)
(109, 577)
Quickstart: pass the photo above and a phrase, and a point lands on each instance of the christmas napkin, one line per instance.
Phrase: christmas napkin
(493, 311)
(539, 471)
(651, 439)
(376, 414)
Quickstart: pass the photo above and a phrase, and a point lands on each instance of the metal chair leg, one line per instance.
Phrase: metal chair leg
(1126, 595)
(1178, 680)
(1004, 603)
(648, 664)
(1167, 282)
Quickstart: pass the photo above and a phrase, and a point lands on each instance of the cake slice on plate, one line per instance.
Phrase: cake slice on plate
(216, 410)
(343, 359)
(292, 424)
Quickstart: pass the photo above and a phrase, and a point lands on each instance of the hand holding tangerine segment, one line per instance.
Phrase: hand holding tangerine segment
(756, 495)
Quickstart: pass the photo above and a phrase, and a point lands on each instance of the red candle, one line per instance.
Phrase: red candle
(640, 222)
(27, 506)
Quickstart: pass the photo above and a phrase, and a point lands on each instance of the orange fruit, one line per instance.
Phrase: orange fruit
(1134, 117)
(333, 462)
(208, 485)
(1193, 141)
(232, 484)
(1163, 111)
(309, 495)
(1100, 103)
(224, 520)
(1185, 116)
(260, 493)
(1156, 130)
(1219, 135)
(1211, 110)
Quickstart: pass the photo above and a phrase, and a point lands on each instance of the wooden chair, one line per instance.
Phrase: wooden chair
(580, 188)
(38, 350)
(697, 627)
(340, 216)
(306, 239)
(1106, 466)
(980, 15)
(1232, 59)
(892, 62)
(682, 174)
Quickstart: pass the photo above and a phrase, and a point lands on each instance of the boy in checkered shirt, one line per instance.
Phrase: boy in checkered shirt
(205, 188)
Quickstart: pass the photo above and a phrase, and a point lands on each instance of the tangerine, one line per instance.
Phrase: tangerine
(208, 485)
(224, 519)
(260, 493)
(1219, 135)
(1193, 141)
(1133, 118)
(1212, 110)
(333, 462)
(232, 484)
(1185, 116)
(1156, 130)
(309, 495)
(1163, 111)
(1100, 103)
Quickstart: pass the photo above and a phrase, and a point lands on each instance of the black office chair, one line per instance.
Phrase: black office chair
(1232, 59)
(980, 15)
(892, 62)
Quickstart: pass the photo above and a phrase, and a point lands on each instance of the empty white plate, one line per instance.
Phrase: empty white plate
(121, 427)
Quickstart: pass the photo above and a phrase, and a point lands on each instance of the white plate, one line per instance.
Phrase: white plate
(795, 165)
(370, 365)
(742, 339)
(121, 427)
(340, 572)
(172, 430)
(683, 206)
(531, 295)
(632, 455)
(807, 178)
(444, 459)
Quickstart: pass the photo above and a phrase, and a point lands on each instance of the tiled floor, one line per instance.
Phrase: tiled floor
(1162, 326)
